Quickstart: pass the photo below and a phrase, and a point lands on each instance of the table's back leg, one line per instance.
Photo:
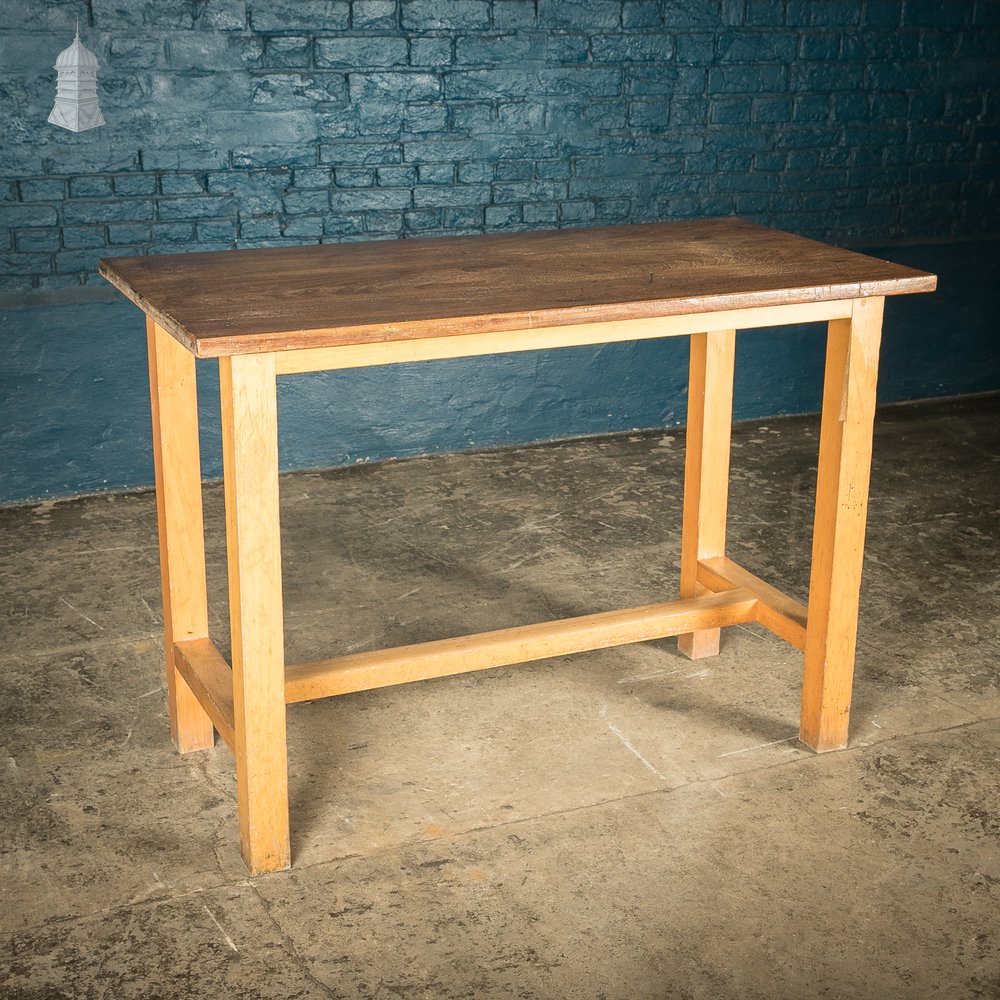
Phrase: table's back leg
(253, 546)
(845, 451)
(177, 464)
(706, 469)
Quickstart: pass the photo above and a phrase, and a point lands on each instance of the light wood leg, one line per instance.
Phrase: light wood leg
(845, 451)
(706, 469)
(253, 545)
(177, 464)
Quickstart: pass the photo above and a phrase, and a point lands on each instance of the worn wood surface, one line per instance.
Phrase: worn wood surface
(251, 301)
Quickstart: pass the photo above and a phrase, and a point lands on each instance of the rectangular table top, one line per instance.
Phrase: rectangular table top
(285, 298)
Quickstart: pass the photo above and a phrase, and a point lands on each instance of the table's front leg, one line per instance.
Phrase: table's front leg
(177, 464)
(253, 545)
(845, 451)
(706, 469)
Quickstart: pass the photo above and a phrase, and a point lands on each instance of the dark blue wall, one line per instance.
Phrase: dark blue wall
(261, 122)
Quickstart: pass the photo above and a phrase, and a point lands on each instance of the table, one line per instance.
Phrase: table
(272, 312)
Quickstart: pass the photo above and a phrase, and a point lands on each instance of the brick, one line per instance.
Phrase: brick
(462, 217)
(119, 210)
(207, 207)
(129, 232)
(301, 15)
(304, 202)
(747, 79)
(343, 225)
(37, 240)
(361, 153)
(641, 14)
(396, 176)
(571, 14)
(422, 220)
(694, 48)
(933, 13)
(514, 170)
(135, 184)
(216, 231)
(280, 92)
(83, 237)
(312, 177)
(259, 228)
(288, 52)
(173, 232)
(372, 14)
(398, 86)
(507, 192)
(521, 116)
(653, 48)
(90, 187)
(198, 49)
(354, 177)
(368, 199)
(803, 13)
(356, 51)
(450, 195)
(136, 52)
(43, 189)
(25, 263)
(826, 77)
(502, 216)
(182, 184)
(730, 110)
(386, 225)
(494, 49)
(436, 173)
(432, 15)
(68, 261)
(565, 48)
(511, 15)
(472, 116)
(540, 214)
(423, 118)
(576, 211)
(432, 52)
(303, 227)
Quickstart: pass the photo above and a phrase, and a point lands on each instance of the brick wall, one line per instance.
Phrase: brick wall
(263, 122)
(871, 123)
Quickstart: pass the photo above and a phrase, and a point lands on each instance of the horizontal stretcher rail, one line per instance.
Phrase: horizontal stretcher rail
(776, 611)
(544, 338)
(211, 681)
(443, 657)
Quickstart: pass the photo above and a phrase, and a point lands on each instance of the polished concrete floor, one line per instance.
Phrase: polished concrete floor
(619, 824)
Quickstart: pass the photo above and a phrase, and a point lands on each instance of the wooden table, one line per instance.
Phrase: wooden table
(265, 313)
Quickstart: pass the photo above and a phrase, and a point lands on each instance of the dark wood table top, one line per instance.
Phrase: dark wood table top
(284, 298)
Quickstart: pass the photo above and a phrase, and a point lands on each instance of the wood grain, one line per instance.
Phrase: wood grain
(706, 470)
(484, 650)
(250, 301)
(845, 450)
(180, 524)
(253, 548)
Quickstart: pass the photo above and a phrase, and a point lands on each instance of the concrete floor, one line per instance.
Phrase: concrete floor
(618, 824)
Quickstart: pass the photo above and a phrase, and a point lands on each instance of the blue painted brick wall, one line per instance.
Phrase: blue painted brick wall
(246, 123)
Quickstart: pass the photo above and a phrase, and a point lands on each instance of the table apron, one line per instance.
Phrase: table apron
(543, 338)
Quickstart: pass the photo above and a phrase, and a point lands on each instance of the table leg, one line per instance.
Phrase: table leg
(706, 469)
(253, 545)
(845, 450)
(177, 465)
